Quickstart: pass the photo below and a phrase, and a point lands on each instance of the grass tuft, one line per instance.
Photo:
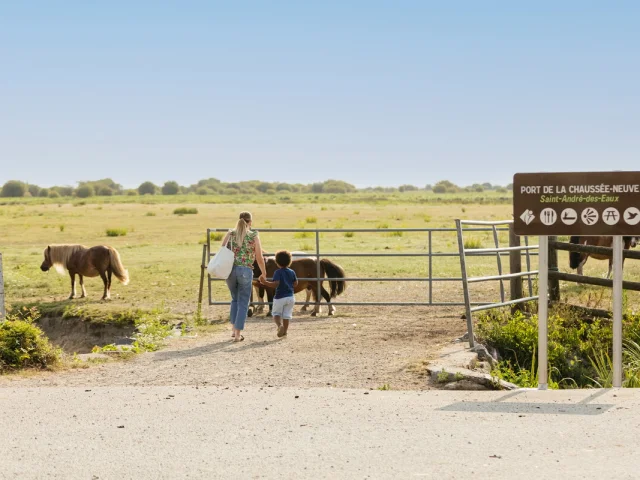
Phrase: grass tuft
(116, 232)
(185, 211)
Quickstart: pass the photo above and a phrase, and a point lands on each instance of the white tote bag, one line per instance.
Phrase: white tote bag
(221, 264)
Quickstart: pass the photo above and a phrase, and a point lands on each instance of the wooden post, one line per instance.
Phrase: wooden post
(554, 283)
(3, 312)
(203, 267)
(515, 266)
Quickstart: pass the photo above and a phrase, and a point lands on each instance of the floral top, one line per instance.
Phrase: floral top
(245, 254)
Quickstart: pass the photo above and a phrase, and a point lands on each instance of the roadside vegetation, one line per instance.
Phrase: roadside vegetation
(580, 348)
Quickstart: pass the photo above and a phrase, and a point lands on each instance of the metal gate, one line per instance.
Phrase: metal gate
(428, 256)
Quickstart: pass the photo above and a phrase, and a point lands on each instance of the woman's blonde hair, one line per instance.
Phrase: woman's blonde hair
(242, 227)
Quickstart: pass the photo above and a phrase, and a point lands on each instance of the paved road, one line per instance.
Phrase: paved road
(213, 432)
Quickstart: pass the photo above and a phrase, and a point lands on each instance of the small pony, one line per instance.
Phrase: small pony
(307, 268)
(577, 259)
(86, 262)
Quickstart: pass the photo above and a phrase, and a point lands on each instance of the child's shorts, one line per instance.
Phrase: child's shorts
(283, 307)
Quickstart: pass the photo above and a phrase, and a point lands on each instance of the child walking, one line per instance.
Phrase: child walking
(284, 281)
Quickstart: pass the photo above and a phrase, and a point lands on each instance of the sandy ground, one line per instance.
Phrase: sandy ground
(365, 347)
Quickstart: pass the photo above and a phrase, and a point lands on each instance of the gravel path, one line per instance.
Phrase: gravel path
(355, 349)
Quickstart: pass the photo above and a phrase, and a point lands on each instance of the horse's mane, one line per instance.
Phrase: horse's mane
(59, 255)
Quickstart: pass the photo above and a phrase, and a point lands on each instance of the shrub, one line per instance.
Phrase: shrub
(202, 191)
(150, 214)
(217, 236)
(382, 225)
(573, 345)
(105, 191)
(311, 220)
(396, 233)
(43, 193)
(61, 227)
(53, 194)
(302, 235)
(116, 232)
(132, 193)
(85, 191)
(349, 234)
(34, 190)
(23, 344)
(13, 188)
(185, 211)
(147, 188)
(170, 188)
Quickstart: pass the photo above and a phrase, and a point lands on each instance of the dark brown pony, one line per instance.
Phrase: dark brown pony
(577, 259)
(86, 262)
(307, 268)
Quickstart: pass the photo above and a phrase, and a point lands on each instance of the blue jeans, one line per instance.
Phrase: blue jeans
(239, 283)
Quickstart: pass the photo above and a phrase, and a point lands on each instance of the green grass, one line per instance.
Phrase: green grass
(163, 252)
(311, 220)
(116, 232)
(472, 243)
(185, 211)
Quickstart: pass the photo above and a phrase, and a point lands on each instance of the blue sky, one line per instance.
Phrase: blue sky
(371, 92)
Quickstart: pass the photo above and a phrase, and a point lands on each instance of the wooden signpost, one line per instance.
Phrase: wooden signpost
(587, 203)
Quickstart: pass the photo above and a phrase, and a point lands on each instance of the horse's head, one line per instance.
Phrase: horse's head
(46, 264)
(631, 242)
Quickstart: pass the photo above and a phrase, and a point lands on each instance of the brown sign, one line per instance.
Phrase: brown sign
(591, 203)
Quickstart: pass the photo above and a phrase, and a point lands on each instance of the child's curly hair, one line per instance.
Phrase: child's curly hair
(283, 258)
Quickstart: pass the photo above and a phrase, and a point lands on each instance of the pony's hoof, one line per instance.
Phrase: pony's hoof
(314, 314)
(269, 314)
(331, 314)
(250, 312)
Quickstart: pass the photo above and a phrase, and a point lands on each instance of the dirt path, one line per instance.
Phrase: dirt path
(355, 349)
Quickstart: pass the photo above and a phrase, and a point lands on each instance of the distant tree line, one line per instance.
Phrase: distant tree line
(213, 186)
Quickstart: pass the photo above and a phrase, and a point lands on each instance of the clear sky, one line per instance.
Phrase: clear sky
(371, 92)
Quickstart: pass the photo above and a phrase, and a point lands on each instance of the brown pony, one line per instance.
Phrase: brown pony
(577, 259)
(307, 268)
(86, 262)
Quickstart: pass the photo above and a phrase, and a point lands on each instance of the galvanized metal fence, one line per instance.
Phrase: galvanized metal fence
(497, 251)
(427, 256)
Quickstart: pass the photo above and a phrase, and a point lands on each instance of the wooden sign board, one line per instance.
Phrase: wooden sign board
(587, 203)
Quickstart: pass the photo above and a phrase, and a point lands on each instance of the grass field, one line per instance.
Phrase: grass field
(163, 250)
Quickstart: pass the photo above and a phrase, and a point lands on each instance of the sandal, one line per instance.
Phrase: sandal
(241, 339)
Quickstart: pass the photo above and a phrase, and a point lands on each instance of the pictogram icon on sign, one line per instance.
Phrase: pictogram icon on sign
(632, 216)
(589, 216)
(569, 216)
(527, 216)
(610, 216)
(548, 216)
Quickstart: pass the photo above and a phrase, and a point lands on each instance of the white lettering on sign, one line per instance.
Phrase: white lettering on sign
(530, 189)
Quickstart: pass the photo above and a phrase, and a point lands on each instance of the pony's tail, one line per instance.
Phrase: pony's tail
(119, 271)
(574, 257)
(333, 270)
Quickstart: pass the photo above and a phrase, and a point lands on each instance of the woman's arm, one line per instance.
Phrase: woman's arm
(226, 238)
(257, 248)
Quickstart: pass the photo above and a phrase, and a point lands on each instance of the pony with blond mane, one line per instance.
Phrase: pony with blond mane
(102, 261)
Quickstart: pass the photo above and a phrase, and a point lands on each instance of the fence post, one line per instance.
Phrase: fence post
(465, 284)
(554, 283)
(203, 267)
(515, 266)
(3, 312)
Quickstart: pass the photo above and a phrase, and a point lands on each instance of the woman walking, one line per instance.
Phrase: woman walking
(245, 244)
